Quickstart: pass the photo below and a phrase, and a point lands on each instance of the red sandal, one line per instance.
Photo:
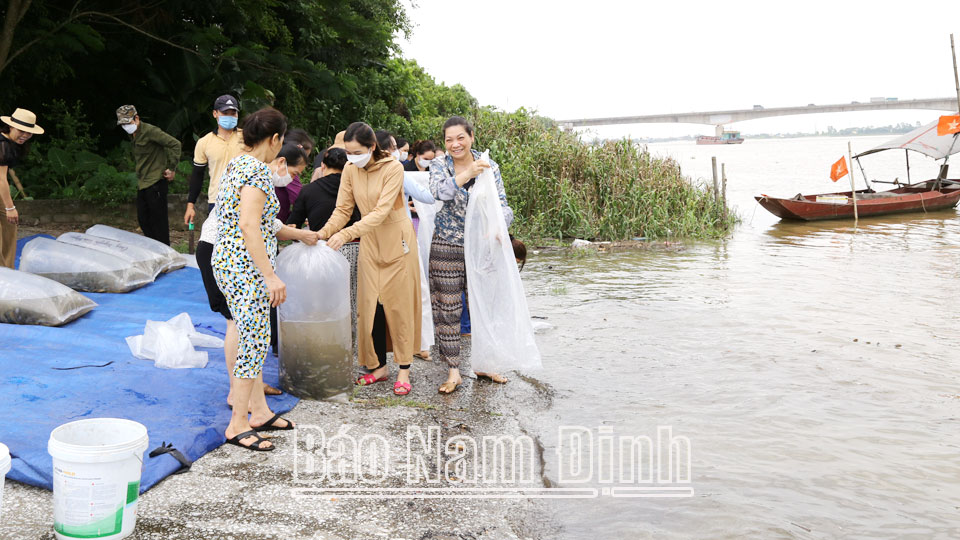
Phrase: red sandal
(401, 388)
(368, 379)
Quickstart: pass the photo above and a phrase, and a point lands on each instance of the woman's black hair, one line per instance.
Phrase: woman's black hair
(293, 153)
(383, 139)
(457, 121)
(401, 142)
(22, 149)
(335, 158)
(262, 125)
(301, 137)
(363, 134)
(422, 147)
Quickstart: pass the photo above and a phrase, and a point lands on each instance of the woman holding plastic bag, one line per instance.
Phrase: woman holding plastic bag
(244, 259)
(459, 178)
(388, 288)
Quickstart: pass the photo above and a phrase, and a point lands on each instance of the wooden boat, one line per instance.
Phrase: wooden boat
(918, 197)
(936, 194)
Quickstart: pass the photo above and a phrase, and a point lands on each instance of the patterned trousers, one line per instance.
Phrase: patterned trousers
(448, 280)
(249, 302)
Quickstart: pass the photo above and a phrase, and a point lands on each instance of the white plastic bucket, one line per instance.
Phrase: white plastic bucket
(4, 469)
(96, 477)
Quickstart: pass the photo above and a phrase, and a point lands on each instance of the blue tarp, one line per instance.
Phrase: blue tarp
(185, 407)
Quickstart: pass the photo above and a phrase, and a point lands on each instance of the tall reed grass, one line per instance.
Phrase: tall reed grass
(560, 187)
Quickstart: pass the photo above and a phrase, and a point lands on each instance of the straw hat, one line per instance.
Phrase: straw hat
(23, 120)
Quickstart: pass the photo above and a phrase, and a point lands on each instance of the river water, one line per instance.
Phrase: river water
(812, 367)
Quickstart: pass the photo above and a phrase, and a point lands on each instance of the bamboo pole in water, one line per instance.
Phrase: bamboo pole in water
(853, 190)
(716, 187)
(723, 177)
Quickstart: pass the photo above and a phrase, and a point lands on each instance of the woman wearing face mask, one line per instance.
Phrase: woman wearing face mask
(287, 193)
(388, 289)
(15, 133)
(243, 265)
(289, 159)
(411, 188)
(423, 153)
(404, 147)
(450, 181)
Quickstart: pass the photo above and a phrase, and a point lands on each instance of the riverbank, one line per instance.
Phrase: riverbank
(232, 492)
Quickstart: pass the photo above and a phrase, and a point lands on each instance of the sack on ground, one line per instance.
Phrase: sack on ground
(316, 358)
(500, 320)
(29, 299)
(170, 344)
(171, 257)
(150, 262)
(80, 268)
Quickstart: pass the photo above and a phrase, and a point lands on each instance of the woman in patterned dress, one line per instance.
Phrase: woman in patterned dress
(243, 263)
(451, 177)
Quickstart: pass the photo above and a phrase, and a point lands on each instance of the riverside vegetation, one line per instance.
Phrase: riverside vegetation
(291, 55)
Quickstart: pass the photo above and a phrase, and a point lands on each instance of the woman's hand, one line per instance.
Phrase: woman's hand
(277, 290)
(472, 171)
(309, 237)
(335, 243)
(13, 217)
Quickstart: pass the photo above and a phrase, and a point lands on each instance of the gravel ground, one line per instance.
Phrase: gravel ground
(235, 493)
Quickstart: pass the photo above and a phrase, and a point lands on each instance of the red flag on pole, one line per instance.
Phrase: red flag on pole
(839, 169)
(948, 125)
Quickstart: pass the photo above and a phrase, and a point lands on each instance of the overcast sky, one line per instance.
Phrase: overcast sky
(603, 58)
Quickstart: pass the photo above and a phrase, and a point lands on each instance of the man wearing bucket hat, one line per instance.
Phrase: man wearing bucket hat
(15, 132)
(156, 155)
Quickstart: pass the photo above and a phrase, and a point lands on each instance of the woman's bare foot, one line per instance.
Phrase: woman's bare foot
(452, 383)
(495, 377)
(403, 375)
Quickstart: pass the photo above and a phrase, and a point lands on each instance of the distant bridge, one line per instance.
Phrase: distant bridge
(718, 118)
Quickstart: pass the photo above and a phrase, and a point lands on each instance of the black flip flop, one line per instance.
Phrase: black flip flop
(268, 425)
(255, 446)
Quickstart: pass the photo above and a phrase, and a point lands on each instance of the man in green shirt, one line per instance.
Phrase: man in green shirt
(156, 155)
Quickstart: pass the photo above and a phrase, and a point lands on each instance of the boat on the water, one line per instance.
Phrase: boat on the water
(933, 194)
(722, 137)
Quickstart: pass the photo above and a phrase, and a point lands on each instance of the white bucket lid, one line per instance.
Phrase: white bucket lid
(4, 459)
(98, 440)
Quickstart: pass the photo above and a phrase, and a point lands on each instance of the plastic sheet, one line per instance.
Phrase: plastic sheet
(502, 332)
(316, 360)
(172, 259)
(29, 299)
(171, 344)
(80, 268)
(150, 262)
(427, 214)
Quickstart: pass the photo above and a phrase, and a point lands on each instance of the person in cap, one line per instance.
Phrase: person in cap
(156, 155)
(215, 150)
(15, 133)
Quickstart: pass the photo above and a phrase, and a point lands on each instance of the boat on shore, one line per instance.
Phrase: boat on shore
(934, 194)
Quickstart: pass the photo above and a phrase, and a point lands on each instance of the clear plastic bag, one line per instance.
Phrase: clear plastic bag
(29, 299)
(170, 344)
(427, 214)
(316, 357)
(172, 259)
(150, 262)
(80, 268)
(499, 318)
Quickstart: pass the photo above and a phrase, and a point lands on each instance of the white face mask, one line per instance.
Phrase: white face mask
(395, 154)
(424, 162)
(130, 128)
(404, 155)
(361, 160)
(281, 180)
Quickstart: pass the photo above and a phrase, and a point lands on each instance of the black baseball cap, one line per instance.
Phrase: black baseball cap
(226, 102)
